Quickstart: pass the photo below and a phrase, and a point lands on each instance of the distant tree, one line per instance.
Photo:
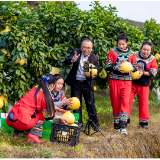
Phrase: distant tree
(36, 3)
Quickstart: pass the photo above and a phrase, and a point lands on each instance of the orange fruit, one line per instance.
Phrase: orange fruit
(21, 62)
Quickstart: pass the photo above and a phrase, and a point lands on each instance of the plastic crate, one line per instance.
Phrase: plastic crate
(47, 126)
(65, 133)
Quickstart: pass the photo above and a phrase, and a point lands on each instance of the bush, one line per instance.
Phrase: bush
(45, 37)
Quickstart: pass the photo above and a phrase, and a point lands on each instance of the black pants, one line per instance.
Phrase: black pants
(82, 88)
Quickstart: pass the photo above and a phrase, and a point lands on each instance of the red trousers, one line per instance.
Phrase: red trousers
(119, 96)
(143, 97)
(18, 125)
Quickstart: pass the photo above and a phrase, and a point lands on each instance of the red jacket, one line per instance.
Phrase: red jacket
(117, 57)
(25, 107)
(149, 65)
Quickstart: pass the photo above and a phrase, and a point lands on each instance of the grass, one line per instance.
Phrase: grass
(139, 143)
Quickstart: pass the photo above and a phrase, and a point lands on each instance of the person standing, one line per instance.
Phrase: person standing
(147, 67)
(80, 84)
(119, 82)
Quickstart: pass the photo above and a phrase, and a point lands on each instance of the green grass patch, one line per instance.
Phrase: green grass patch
(139, 143)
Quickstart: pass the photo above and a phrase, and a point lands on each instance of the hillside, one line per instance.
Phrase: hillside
(134, 23)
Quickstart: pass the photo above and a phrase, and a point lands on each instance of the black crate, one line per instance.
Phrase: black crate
(65, 133)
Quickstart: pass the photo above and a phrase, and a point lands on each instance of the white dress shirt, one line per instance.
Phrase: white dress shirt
(80, 73)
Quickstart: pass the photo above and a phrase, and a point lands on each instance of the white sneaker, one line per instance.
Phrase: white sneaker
(118, 130)
(123, 131)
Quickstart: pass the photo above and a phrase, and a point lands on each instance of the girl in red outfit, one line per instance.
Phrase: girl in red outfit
(120, 82)
(147, 66)
(33, 108)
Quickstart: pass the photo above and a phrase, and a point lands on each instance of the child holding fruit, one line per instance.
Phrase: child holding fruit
(120, 80)
(33, 108)
(147, 68)
(60, 99)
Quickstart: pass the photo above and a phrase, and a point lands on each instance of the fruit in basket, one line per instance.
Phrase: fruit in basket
(69, 117)
(74, 124)
(62, 138)
(71, 131)
(126, 67)
(76, 103)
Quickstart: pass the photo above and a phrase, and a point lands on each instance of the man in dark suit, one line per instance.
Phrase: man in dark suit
(80, 84)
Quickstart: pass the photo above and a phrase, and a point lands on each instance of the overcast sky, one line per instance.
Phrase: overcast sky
(134, 10)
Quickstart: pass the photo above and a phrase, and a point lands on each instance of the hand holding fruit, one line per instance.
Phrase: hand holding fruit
(62, 111)
(63, 120)
(94, 71)
(140, 74)
(75, 103)
(93, 76)
(125, 67)
(67, 101)
(118, 68)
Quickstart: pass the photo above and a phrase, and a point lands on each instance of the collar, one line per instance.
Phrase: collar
(124, 51)
(140, 55)
(55, 93)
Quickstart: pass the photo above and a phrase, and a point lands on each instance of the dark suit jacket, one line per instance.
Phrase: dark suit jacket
(71, 78)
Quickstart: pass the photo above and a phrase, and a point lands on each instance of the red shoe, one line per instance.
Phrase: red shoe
(33, 138)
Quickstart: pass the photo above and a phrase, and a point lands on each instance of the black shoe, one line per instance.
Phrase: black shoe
(144, 126)
(116, 126)
(122, 124)
(128, 121)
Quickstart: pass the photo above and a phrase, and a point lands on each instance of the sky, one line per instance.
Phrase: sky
(133, 10)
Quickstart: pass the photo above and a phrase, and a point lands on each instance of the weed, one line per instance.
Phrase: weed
(139, 143)
(77, 148)
(45, 154)
(1, 154)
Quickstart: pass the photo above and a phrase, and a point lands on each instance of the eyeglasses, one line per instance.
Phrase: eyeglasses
(87, 48)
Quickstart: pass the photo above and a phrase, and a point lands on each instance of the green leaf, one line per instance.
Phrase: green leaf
(19, 34)
(34, 46)
(25, 50)
(47, 34)
(18, 72)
